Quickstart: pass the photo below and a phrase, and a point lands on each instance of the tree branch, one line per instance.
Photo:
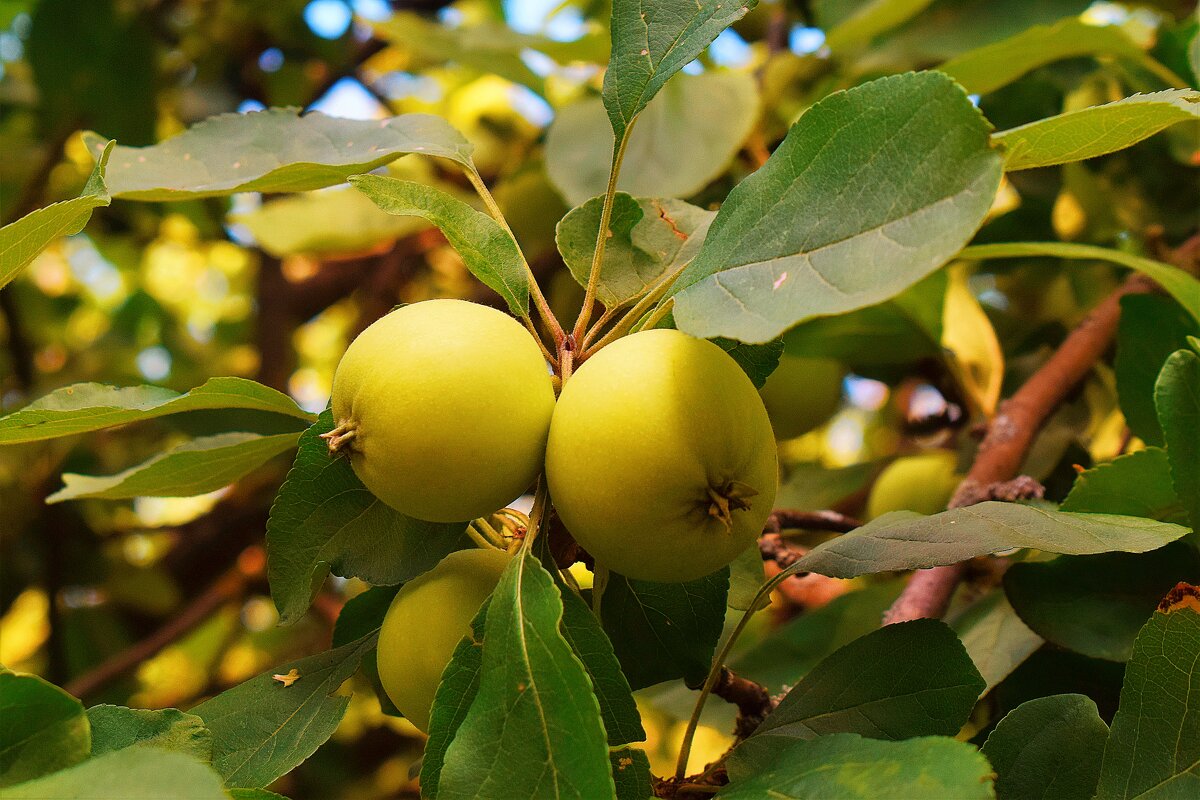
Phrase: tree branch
(753, 701)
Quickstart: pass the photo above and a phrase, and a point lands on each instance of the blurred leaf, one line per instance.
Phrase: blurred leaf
(915, 175)
(992, 66)
(995, 637)
(815, 486)
(118, 727)
(261, 729)
(858, 689)
(758, 361)
(1177, 397)
(1154, 747)
(1151, 329)
(649, 239)
(664, 631)
(197, 467)
(324, 520)
(971, 347)
(488, 250)
(869, 20)
(1096, 605)
(276, 150)
(135, 773)
(23, 240)
(849, 767)
(684, 139)
(452, 702)
(534, 728)
(631, 773)
(88, 407)
(653, 41)
(1179, 284)
(1049, 747)
(1135, 484)
(42, 729)
(906, 540)
(254, 794)
(792, 650)
(1091, 132)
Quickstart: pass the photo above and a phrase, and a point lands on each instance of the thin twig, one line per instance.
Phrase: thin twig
(783, 518)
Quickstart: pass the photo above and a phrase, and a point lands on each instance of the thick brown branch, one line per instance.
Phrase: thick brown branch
(783, 518)
(753, 701)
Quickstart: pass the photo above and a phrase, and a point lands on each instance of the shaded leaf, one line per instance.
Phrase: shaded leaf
(631, 773)
(995, 637)
(1136, 484)
(758, 361)
(810, 484)
(118, 727)
(361, 615)
(873, 189)
(1177, 397)
(870, 19)
(42, 729)
(1151, 329)
(135, 773)
(452, 702)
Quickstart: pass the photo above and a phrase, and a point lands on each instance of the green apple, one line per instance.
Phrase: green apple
(425, 622)
(923, 483)
(444, 407)
(661, 462)
(802, 393)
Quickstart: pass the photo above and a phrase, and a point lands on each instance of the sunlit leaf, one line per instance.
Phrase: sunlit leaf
(118, 727)
(42, 729)
(135, 773)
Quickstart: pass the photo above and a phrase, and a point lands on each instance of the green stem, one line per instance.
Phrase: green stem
(481, 539)
(626, 323)
(537, 514)
(657, 315)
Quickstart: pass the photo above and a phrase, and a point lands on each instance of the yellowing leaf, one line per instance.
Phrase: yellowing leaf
(972, 348)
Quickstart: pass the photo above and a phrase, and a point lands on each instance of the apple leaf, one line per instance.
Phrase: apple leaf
(1154, 747)
(452, 702)
(868, 20)
(118, 727)
(664, 631)
(261, 728)
(849, 767)
(1095, 131)
(489, 251)
(653, 41)
(22, 240)
(1095, 605)
(1136, 484)
(324, 520)
(534, 728)
(86, 407)
(1048, 747)
(873, 189)
(677, 148)
(1177, 397)
(276, 150)
(43, 729)
(631, 774)
(135, 773)
(995, 637)
(906, 540)
(1152, 328)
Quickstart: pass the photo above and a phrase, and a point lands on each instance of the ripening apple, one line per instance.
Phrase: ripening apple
(802, 393)
(923, 483)
(425, 622)
(661, 461)
(444, 407)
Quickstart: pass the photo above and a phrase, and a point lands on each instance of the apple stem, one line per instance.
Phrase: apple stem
(338, 437)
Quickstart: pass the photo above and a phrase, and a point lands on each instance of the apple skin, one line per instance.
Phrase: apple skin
(802, 393)
(641, 433)
(450, 403)
(923, 483)
(425, 622)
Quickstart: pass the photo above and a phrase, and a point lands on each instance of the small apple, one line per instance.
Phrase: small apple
(923, 483)
(444, 407)
(802, 393)
(661, 461)
(425, 622)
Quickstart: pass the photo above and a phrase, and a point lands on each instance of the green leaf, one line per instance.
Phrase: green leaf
(196, 467)
(653, 41)
(276, 150)
(663, 631)
(758, 361)
(810, 484)
(1048, 747)
(848, 767)
(906, 540)
(254, 794)
(988, 68)
(118, 727)
(42, 729)
(1177, 397)
(873, 189)
(995, 637)
(261, 729)
(1151, 329)
(324, 520)
(23, 240)
(452, 702)
(534, 728)
(1090, 132)
(1136, 484)
(631, 774)
(1096, 605)
(650, 238)
(1179, 284)
(135, 773)
(1154, 747)
(86, 407)
(869, 20)
(361, 615)
(684, 139)
(488, 250)
(860, 689)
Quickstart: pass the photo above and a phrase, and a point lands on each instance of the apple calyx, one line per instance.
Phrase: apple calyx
(727, 498)
(339, 436)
